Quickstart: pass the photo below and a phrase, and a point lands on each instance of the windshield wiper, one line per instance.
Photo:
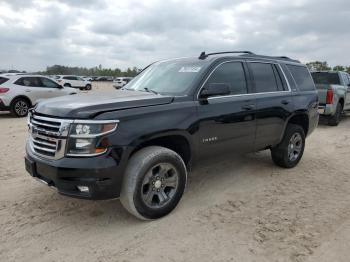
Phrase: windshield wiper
(150, 91)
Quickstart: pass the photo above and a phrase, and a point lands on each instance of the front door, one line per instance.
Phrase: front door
(227, 123)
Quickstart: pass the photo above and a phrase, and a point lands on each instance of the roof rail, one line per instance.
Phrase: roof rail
(278, 58)
(203, 55)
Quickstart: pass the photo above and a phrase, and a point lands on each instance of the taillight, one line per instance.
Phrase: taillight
(329, 96)
(3, 90)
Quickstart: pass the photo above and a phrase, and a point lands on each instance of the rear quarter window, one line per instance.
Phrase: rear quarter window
(302, 77)
(3, 80)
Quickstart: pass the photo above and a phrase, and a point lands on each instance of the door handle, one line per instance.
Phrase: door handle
(285, 102)
(27, 90)
(248, 107)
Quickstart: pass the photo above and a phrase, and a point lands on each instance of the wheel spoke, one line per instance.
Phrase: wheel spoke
(149, 196)
(171, 181)
(162, 196)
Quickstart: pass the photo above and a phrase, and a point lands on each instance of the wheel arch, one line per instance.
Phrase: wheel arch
(22, 97)
(299, 118)
(341, 101)
(178, 141)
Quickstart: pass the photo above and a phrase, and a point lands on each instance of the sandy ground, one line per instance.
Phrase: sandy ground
(240, 209)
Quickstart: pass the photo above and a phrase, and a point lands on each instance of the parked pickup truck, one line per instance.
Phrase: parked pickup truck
(140, 142)
(334, 94)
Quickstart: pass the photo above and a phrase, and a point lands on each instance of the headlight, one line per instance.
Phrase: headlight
(86, 138)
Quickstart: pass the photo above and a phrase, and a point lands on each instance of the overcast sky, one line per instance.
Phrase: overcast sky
(38, 33)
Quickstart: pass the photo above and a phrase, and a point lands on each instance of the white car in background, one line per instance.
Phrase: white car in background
(119, 82)
(18, 93)
(74, 81)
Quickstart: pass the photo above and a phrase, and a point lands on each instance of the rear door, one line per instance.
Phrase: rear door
(273, 102)
(32, 88)
(227, 123)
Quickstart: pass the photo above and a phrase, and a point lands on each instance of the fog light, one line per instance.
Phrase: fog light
(83, 189)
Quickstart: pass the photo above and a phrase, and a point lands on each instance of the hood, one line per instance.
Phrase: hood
(87, 105)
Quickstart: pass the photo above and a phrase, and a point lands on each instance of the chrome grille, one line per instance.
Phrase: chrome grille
(48, 135)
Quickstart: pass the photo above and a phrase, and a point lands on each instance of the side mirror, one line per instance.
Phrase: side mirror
(59, 86)
(215, 89)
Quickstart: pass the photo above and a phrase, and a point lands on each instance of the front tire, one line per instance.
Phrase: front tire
(154, 182)
(88, 87)
(20, 107)
(288, 153)
(335, 119)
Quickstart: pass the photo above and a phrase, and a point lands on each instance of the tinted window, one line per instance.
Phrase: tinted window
(70, 78)
(48, 83)
(281, 84)
(3, 80)
(302, 77)
(264, 78)
(326, 78)
(231, 74)
(28, 81)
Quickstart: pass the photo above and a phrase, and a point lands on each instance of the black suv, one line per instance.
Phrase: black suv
(140, 142)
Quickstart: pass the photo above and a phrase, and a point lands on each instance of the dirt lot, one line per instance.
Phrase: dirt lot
(241, 209)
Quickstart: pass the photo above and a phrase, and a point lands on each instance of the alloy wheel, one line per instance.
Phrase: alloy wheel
(21, 108)
(159, 185)
(295, 146)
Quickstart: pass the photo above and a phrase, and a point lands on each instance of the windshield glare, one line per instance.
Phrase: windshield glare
(170, 77)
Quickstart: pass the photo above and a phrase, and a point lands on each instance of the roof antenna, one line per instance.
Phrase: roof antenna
(202, 56)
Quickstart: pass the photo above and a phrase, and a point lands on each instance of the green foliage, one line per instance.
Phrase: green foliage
(339, 68)
(318, 66)
(95, 71)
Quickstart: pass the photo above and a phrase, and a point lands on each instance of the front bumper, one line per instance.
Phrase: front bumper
(102, 174)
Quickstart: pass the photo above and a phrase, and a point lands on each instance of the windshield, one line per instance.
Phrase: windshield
(326, 78)
(173, 77)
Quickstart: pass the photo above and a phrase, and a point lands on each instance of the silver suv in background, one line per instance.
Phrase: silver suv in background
(74, 81)
(119, 82)
(18, 93)
(333, 93)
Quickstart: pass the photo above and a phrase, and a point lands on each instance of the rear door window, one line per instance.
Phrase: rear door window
(302, 77)
(231, 74)
(70, 78)
(28, 81)
(266, 77)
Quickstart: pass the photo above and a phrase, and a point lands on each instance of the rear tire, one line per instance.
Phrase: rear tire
(154, 182)
(88, 87)
(288, 153)
(335, 119)
(20, 107)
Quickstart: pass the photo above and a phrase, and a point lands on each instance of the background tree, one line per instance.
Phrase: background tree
(318, 66)
(339, 68)
(94, 71)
